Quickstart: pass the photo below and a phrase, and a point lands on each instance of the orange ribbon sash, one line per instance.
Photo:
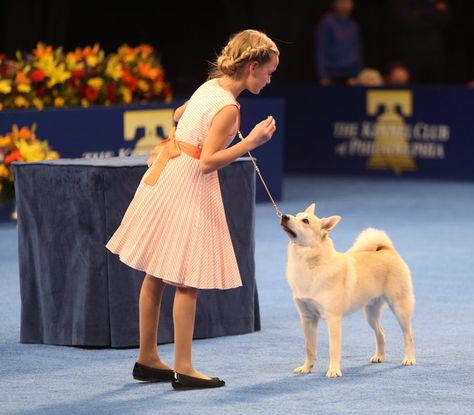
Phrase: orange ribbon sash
(168, 149)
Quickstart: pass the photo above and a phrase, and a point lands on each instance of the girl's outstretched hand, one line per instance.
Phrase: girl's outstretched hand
(262, 132)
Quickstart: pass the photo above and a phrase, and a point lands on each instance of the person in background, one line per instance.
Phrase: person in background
(338, 45)
(415, 30)
(368, 77)
(397, 74)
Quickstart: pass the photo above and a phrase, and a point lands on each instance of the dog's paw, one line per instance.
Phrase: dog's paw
(409, 362)
(303, 369)
(333, 373)
(377, 358)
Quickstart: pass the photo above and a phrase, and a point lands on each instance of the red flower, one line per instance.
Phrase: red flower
(37, 75)
(41, 91)
(91, 93)
(130, 80)
(78, 73)
(3, 70)
(111, 94)
(13, 156)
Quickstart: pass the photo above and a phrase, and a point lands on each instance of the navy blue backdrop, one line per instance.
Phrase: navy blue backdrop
(332, 130)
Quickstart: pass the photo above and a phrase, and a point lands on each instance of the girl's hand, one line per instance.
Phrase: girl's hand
(262, 132)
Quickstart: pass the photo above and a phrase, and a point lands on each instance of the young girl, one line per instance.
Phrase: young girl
(175, 227)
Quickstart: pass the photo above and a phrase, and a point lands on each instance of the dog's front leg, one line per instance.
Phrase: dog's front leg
(335, 332)
(309, 322)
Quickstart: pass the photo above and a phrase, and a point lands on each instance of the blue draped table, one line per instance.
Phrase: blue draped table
(75, 292)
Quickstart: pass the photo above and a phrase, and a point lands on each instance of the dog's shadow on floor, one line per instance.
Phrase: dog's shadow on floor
(296, 384)
(366, 370)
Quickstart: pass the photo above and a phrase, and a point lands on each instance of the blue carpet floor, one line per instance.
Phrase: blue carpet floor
(432, 225)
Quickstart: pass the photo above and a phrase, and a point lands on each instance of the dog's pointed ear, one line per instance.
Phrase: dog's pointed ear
(311, 208)
(328, 224)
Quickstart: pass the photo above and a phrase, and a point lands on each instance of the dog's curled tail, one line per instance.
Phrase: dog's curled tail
(372, 239)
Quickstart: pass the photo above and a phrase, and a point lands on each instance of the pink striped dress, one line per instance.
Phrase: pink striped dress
(176, 229)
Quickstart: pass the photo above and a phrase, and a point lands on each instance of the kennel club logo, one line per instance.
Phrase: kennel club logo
(144, 129)
(156, 124)
(389, 142)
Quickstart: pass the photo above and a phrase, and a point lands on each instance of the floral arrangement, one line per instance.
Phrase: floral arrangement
(21, 144)
(50, 77)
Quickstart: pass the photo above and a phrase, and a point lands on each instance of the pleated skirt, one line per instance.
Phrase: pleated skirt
(176, 229)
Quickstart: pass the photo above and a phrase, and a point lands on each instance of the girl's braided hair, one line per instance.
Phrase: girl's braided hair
(243, 47)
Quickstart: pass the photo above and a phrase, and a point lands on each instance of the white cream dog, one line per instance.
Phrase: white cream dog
(329, 284)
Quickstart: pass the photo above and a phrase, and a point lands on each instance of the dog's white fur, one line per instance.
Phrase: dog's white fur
(328, 284)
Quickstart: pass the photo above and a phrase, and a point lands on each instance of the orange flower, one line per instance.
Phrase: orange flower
(147, 71)
(13, 156)
(88, 51)
(24, 132)
(42, 50)
(145, 50)
(79, 53)
(21, 78)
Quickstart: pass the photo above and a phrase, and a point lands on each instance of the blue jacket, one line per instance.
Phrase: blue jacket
(339, 50)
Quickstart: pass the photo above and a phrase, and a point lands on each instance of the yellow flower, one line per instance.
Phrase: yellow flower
(58, 75)
(47, 64)
(143, 86)
(95, 83)
(127, 95)
(6, 141)
(38, 103)
(114, 68)
(59, 102)
(34, 151)
(84, 102)
(5, 86)
(21, 102)
(158, 87)
(4, 172)
(52, 155)
(24, 88)
(127, 53)
(72, 62)
(92, 60)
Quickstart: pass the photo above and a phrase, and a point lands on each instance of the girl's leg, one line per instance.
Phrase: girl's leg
(149, 311)
(184, 312)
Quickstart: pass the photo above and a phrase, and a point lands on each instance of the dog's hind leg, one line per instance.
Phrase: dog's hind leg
(373, 312)
(403, 310)
(309, 322)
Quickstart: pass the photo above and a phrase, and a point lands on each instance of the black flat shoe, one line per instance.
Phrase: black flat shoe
(185, 382)
(150, 374)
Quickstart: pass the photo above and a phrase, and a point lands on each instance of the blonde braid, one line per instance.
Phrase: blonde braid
(243, 47)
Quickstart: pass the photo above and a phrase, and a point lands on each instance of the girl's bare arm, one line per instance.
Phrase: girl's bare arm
(214, 156)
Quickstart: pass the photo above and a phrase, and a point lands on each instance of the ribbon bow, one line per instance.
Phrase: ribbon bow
(165, 151)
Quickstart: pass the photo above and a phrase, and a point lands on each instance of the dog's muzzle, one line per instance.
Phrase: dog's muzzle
(284, 224)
